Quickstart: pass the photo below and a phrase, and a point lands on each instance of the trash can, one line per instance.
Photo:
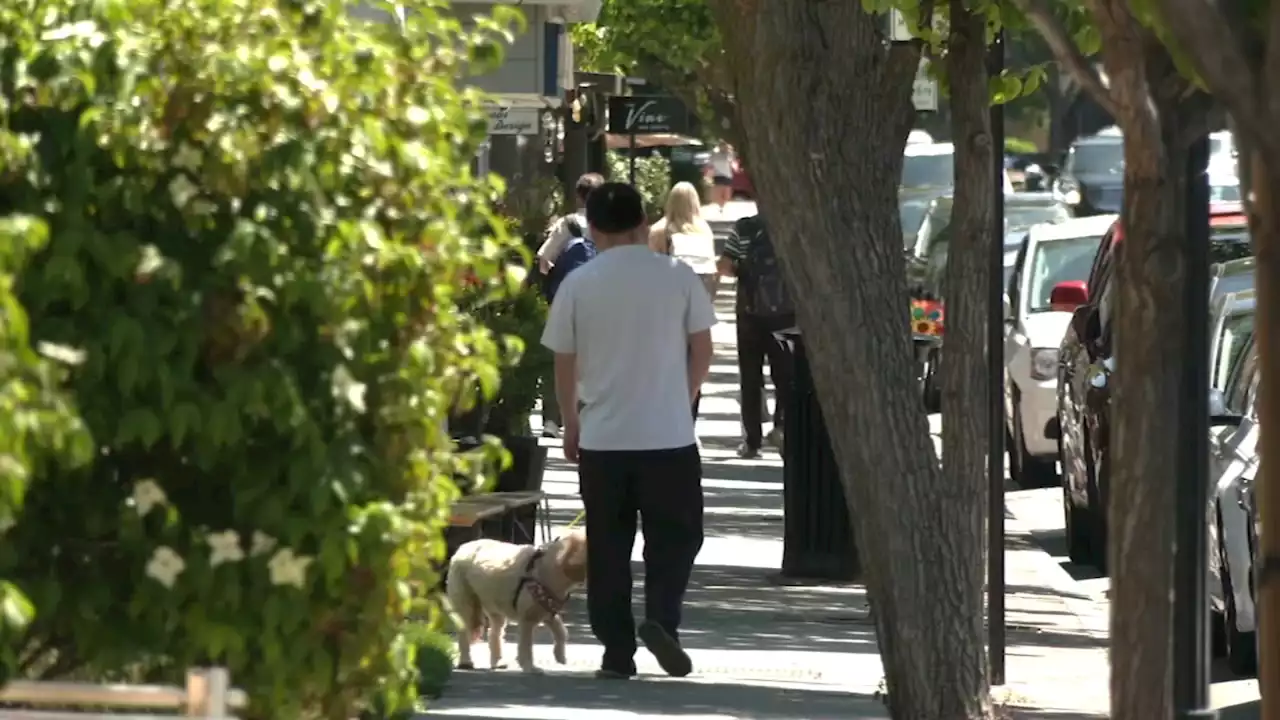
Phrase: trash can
(818, 539)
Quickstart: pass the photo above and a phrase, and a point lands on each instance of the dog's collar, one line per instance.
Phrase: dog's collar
(546, 599)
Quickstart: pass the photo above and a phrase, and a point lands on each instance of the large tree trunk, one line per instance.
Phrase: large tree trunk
(964, 378)
(1150, 342)
(825, 107)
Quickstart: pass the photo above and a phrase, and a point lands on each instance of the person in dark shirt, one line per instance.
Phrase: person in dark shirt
(763, 307)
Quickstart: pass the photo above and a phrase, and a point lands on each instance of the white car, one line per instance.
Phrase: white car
(1050, 254)
(932, 165)
(1233, 466)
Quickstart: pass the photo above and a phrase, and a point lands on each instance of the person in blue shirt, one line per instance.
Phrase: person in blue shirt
(568, 247)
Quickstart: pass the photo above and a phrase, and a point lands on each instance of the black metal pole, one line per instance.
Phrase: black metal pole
(1190, 573)
(995, 390)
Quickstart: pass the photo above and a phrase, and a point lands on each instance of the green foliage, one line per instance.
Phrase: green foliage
(1019, 145)
(653, 179)
(434, 658)
(38, 425)
(681, 34)
(519, 321)
(260, 218)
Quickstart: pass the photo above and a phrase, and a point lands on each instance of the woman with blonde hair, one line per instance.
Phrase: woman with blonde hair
(683, 234)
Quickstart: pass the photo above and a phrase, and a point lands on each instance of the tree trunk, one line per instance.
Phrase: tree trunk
(1264, 225)
(825, 106)
(1150, 349)
(964, 379)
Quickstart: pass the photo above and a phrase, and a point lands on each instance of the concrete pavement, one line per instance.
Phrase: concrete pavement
(783, 652)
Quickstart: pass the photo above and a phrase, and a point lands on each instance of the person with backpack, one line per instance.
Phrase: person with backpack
(763, 307)
(567, 247)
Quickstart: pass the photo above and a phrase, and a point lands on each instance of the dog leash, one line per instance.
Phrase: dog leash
(581, 516)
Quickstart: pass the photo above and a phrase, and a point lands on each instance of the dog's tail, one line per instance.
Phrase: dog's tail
(464, 601)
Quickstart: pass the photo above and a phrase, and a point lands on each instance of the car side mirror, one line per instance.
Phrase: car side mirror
(1069, 295)
(1219, 415)
(1084, 322)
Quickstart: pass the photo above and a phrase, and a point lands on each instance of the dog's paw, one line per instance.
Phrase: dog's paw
(561, 657)
(466, 666)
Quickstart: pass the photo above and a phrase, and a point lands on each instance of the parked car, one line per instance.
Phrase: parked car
(1233, 465)
(1051, 254)
(1092, 180)
(1084, 400)
(912, 210)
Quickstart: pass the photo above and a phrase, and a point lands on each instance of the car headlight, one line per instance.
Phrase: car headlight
(1044, 363)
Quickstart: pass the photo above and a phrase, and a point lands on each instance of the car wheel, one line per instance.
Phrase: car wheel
(1032, 472)
(932, 393)
(1240, 647)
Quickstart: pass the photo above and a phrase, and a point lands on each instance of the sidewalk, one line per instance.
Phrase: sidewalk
(781, 653)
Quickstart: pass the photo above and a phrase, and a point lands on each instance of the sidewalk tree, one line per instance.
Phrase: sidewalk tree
(755, 65)
(260, 225)
(1234, 51)
(1161, 113)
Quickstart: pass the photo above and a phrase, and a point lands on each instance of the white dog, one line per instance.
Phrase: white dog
(501, 581)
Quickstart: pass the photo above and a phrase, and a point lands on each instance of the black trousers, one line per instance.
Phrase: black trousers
(755, 343)
(663, 487)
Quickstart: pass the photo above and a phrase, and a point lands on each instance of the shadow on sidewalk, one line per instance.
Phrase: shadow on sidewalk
(566, 695)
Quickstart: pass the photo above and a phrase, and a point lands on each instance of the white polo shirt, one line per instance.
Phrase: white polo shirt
(628, 315)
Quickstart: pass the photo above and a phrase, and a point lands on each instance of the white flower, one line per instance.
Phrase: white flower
(182, 190)
(188, 157)
(165, 566)
(146, 495)
(224, 547)
(262, 543)
(288, 569)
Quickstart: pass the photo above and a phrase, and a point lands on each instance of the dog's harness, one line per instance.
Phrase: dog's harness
(541, 595)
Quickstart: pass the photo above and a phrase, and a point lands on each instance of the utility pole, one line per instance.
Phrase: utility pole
(995, 390)
(1190, 570)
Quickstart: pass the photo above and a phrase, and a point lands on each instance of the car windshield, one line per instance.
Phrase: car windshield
(1235, 282)
(1224, 193)
(1059, 261)
(911, 214)
(928, 170)
(1022, 217)
(1235, 332)
(1096, 158)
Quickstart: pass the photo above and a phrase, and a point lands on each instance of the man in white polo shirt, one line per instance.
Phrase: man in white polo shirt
(631, 331)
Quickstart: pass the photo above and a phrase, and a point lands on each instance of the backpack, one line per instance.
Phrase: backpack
(765, 290)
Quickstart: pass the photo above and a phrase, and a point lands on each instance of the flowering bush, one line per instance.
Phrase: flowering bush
(259, 212)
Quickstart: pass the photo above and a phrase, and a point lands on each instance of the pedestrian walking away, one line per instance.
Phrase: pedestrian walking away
(721, 167)
(567, 246)
(684, 235)
(631, 333)
(763, 306)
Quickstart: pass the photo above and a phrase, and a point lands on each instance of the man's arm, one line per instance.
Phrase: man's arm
(699, 317)
(735, 249)
(699, 361)
(567, 387)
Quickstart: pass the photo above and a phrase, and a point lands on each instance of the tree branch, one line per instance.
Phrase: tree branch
(1205, 35)
(1069, 57)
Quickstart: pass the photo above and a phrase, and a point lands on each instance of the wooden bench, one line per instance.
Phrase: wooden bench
(207, 694)
(474, 516)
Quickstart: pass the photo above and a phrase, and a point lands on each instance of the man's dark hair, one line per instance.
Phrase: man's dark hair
(615, 208)
(587, 183)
